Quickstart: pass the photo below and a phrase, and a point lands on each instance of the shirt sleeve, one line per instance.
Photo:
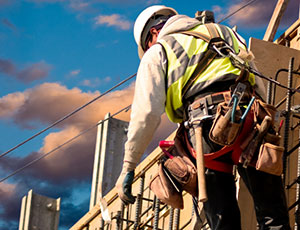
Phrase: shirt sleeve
(148, 103)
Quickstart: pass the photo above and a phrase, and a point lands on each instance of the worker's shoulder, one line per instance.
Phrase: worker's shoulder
(155, 53)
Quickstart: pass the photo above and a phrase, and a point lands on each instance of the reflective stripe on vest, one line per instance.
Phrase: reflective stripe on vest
(183, 53)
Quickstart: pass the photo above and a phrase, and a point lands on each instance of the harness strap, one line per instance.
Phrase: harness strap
(211, 159)
(208, 57)
(196, 34)
(212, 30)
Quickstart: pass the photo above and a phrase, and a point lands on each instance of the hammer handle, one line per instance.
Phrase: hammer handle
(202, 196)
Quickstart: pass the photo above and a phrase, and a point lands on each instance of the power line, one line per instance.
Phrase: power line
(233, 13)
(66, 116)
(60, 146)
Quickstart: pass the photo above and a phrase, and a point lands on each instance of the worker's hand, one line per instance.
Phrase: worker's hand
(124, 183)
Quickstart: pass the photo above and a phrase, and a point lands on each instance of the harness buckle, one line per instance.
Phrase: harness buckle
(198, 112)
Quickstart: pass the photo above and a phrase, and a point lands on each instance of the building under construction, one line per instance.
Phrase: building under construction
(279, 60)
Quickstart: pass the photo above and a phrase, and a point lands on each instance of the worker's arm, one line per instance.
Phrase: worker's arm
(147, 108)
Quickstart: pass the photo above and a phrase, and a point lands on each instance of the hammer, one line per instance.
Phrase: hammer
(197, 123)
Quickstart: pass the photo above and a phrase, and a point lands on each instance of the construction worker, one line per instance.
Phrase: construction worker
(168, 60)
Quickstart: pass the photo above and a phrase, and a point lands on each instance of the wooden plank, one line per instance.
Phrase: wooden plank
(269, 58)
(275, 20)
(289, 34)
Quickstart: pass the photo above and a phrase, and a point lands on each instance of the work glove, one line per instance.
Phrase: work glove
(124, 183)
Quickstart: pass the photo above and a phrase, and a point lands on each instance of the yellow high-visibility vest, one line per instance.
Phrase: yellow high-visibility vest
(183, 54)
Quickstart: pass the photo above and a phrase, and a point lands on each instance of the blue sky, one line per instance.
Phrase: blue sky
(56, 55)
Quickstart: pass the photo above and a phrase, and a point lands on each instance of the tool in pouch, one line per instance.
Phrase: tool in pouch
(261, 149)
(229, 118)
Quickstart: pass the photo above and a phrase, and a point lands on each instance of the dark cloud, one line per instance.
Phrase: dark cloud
(258, 14)
(9, 225)
(71, 213)
(5, 2)
(29, 74)
(34, 72)
(11, 198)
(7, 67)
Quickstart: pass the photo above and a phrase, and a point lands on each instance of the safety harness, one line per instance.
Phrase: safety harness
(217, 47)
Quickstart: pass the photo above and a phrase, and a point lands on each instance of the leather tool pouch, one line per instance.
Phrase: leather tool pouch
(165, 189)
(183, 170)
(175, 174)
(224, 131)
(267, 156)
(270, 159)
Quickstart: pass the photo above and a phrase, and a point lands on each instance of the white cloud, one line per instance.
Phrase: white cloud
(113, 20)
(95, 82)
(80, 5)
(107, 79)
(86, 82)
(152, 2)
(74, 72)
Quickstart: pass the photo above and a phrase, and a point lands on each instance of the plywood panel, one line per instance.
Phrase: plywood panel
(269, 58)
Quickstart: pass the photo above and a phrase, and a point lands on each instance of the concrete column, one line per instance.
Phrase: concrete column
(39, 212)
(109, 153)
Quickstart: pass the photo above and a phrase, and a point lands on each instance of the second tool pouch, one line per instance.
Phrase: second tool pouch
(175, 174)
(262, 149)
(165, 188)
(183, 170)
(223, 130)
(270, 159)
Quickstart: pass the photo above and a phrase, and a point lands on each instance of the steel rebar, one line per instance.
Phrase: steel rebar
(156, 214)
(171, 218)
(139, 201)
(176, 219)
(287, 118)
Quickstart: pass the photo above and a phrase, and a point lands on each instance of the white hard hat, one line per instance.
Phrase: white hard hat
(143, 18)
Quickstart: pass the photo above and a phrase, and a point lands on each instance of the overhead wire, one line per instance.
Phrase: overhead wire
(239, 9)
(66, 116)
(60, 146)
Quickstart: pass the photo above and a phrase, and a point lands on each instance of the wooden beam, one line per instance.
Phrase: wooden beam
(275, 20)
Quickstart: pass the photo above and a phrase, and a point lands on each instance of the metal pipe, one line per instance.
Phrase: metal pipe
(171, 218)
(156, 214)
(287, 118)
